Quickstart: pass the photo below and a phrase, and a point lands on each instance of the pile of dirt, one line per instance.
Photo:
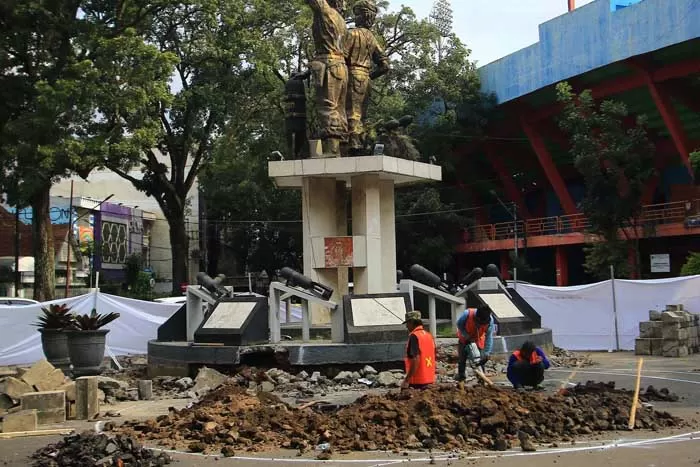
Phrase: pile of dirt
(97, 449)
(651, 394)
(441, 417)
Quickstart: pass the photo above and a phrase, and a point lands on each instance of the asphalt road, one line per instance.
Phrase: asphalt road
(675, 448)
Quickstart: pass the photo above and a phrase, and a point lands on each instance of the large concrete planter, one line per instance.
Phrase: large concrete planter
(54, 343)
(87, 350)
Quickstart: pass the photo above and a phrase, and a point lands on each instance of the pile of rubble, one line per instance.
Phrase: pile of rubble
(566, 359)
(231, 419)
(98, 450)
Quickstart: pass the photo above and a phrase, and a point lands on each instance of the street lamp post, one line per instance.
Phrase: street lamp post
(513, 211)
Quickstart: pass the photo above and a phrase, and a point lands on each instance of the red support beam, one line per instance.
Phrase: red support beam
(562, 265)
(553, 175)
(627, 83)
(512, 191)
(572, 5)
(664, 104)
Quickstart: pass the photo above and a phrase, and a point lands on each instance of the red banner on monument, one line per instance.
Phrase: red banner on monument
(338, 252)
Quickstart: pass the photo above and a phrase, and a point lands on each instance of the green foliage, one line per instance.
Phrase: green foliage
(426, 231)
(615, 157)
(79, 82)
(132, 268)
(601, 255)
(692, 265)
(56, 317)
(695, 162)
(93, 321)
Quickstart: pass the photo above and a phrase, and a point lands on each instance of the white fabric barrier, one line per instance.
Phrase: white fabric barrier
(20, 341)
(583, 317)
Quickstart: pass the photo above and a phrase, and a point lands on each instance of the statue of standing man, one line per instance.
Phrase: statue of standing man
(362, 51)
(330, 73)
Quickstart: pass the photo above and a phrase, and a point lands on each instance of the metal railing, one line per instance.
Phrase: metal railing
(652, 215)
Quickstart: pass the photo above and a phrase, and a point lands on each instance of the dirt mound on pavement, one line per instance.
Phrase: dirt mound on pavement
(442, 417)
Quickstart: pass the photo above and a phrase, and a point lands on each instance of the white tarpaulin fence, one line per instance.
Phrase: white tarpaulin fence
(583, 317)
(20, 342)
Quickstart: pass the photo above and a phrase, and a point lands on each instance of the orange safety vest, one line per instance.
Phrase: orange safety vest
(425, 373)
(476, 333)
(534, 358)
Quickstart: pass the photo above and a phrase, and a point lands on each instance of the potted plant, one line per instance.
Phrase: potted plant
(54, 322)
(86, 342)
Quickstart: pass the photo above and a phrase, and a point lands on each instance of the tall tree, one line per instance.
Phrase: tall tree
(616, 159)
(220, 46)
(77, 81)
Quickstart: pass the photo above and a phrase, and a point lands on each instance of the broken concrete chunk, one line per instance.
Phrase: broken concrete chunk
(53, 381)
(14, 388)
(38, 372)
(208, 378)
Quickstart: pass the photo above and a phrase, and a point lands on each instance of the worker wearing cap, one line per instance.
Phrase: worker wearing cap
(474, 326)
(419, 360)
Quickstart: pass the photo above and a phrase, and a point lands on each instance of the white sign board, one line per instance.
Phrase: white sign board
(501, 305)
(386, 311)
(229, 315)
(661, 263)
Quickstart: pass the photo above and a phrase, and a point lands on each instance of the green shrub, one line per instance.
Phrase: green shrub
(692, 265)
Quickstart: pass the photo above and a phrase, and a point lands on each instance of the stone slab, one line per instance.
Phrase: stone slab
(14, 387)
(655, 315)
(87, 403)
(24, 420)
(38, 373)
(650, 329)
(229, 315)
(145, 387)
(52, 382)
(673, 316)
(50, 400)
(642, 346)
(675, 334)
(289, 174)
(51, 416)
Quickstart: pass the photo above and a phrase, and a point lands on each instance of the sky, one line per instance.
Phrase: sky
(495, 28)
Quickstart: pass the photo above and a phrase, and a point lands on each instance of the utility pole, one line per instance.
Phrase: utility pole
(70, 239)
(18, 274)
(441, 17)
(572, 5)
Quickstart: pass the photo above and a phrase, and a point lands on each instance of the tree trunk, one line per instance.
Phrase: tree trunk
(43, 246)
(179, 246)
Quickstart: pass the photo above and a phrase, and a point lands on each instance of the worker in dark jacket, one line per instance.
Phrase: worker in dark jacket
(526, 366)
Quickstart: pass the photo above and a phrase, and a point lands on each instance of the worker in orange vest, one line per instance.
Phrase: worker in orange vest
(475, 328)
(526, 366)
(419, 360)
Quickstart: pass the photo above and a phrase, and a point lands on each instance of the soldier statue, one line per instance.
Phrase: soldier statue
(362, 50)
(329, 72)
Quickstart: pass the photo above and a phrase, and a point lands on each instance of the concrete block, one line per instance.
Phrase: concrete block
(683, 351)
(69, 389)
(642, 346)
(678, 307)
(53, 381)
(39, 372)
(655, 315)
(670, 345)
(672, 316)
(15, 388)
(87, 404)
(675, 334)
(650, 329)
(145, 387)
(50, 400)
(51, 417)
(24, 420)
(657, 347)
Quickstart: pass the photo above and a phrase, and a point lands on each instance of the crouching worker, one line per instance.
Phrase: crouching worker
(526, 366)
(419, 360)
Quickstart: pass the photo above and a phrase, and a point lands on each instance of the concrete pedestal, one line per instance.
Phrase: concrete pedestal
(370, 249)
(87, 402)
